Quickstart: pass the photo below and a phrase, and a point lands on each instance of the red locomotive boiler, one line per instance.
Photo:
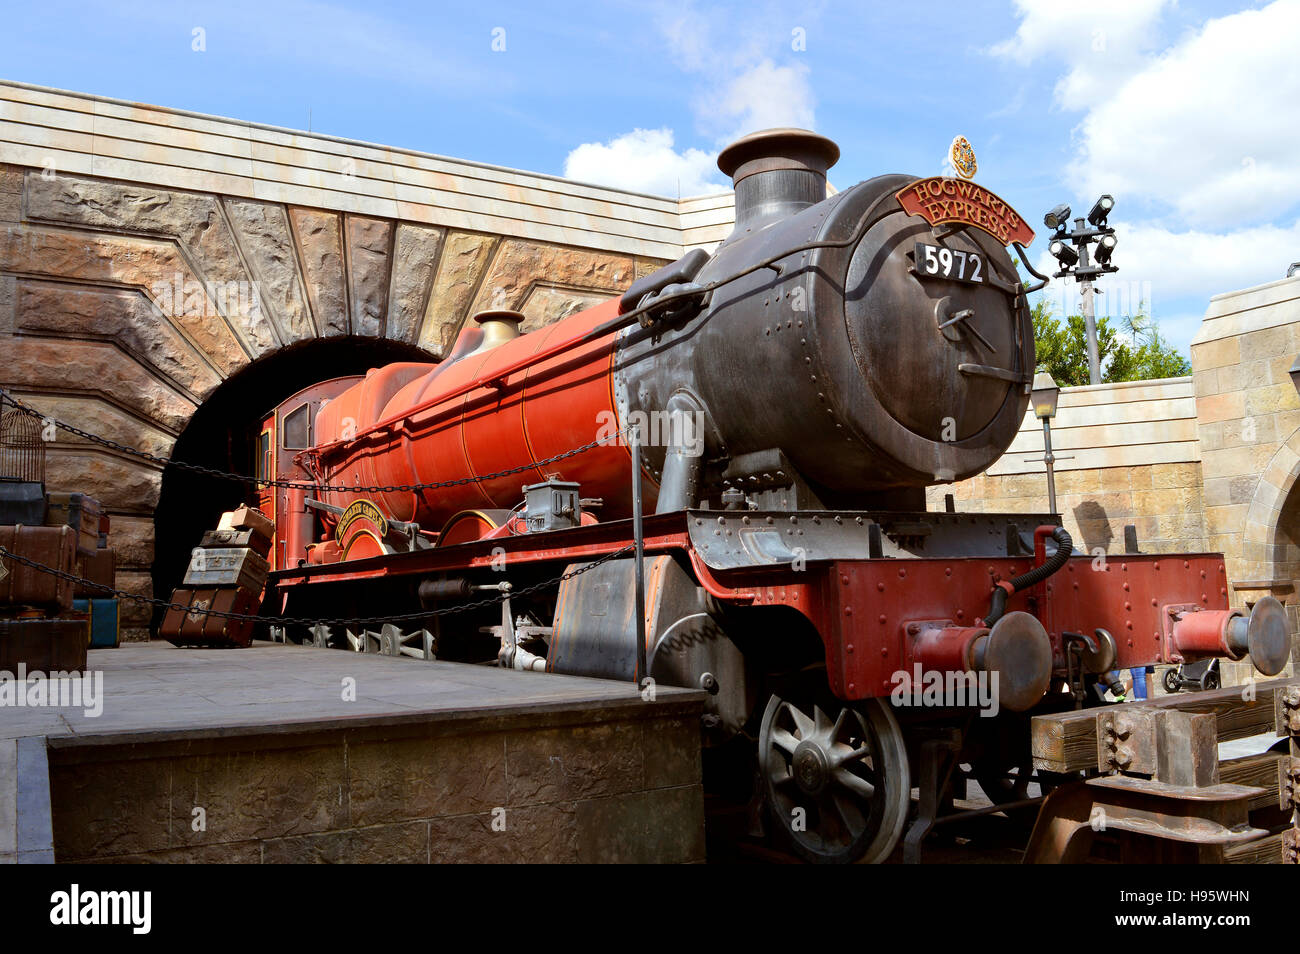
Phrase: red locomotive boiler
(796, 391)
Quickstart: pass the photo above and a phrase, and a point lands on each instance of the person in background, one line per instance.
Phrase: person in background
(1142, 677)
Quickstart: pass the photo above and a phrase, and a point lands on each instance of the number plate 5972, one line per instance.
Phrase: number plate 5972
(933, 261)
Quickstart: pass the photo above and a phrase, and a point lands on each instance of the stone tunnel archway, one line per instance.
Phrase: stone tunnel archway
(148, 312)
(222, 434)
(1271, 541)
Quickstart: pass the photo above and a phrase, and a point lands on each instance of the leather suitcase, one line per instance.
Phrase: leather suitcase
(237, 567)
(43, 645)
(25, 586)
(216, 539)
(196, 628)
(79, 512)
(174, 619)
(105, 622)
(247, 518)
(22, 502)
(101, 568)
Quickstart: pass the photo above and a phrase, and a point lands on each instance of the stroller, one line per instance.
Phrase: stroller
(1202, 674)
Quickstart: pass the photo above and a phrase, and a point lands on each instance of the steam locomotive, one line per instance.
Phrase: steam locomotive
(791, 395)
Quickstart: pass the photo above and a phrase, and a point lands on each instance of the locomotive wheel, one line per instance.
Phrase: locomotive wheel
(1003, 765)
(1005, 784)
(835, 780)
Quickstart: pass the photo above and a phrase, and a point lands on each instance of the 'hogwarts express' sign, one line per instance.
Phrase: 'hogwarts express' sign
(941, 200)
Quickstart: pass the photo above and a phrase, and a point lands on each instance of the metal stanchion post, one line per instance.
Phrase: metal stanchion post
(639, 543)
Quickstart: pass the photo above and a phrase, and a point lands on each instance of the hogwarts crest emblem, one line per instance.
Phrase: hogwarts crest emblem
(962, 155)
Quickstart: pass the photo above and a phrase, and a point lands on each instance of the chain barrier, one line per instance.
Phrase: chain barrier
(336, 621)
(7, 398)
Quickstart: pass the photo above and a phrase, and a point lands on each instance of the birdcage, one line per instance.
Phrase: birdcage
(22, 452)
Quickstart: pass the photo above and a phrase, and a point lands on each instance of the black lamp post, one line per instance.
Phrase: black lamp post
(1043, 395)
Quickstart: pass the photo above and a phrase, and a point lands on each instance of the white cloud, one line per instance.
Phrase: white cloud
(1210, 127)
(740, 87)
(762, 97)
(1100, 43)
(644, 160)
(1162, 268)
(1206, 263)
(1202, 136)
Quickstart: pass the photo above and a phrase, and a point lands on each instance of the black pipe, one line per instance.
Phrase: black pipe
(1064, 547)
(685, 440)
(1024, 260)
(432, 592)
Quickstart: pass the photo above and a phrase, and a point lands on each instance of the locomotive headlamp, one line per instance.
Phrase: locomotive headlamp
(1058, 217)
(1063, 253)
(1105, 247)
(1043, 395)
(1100, 210)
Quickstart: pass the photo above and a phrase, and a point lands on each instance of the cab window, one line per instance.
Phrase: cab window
(296, 429)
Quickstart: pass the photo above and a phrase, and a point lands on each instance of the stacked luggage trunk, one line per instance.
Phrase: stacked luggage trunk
(227, 574)
(47, 621)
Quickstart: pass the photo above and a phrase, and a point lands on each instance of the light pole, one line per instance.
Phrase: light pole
(1089, 315)
(1043, 395)
(1085, 268)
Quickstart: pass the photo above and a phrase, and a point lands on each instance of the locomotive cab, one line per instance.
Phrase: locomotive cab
(286, 431)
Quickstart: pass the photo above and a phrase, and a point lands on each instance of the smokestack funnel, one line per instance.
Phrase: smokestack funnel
(499, 325)
(776, 173)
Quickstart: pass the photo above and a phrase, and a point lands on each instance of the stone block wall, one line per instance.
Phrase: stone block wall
(1127, 454)
(617, 786)
(1163, 501)
(1248, 419)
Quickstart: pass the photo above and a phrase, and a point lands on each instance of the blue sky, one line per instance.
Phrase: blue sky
(1186, 111)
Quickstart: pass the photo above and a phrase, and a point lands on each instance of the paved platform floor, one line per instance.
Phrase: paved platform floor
(156, 689)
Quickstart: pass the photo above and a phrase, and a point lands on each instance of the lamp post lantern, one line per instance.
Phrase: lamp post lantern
(1043, 395)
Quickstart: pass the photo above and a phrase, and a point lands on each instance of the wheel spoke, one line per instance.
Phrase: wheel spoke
(859, 786)
(845, 753)
(820, 722)
(835, 818)
(784, 741)
(839, 723)
(850, 812)
(802, 723)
